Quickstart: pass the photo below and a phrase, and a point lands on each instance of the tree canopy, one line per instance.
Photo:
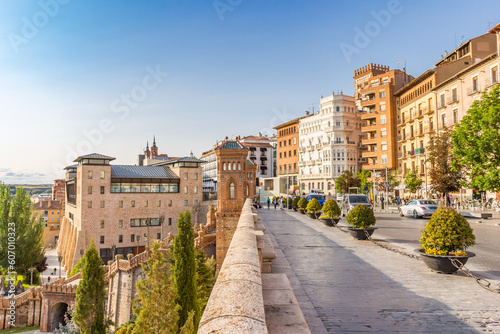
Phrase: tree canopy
(345, 181)
(476, 142)
(412, 180)
(363, 176)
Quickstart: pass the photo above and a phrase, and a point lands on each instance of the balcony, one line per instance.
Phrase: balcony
(311, 163)
(490, 82)
(310, 147)
(441, 105)
(302, 163)
(319, 161)
(338, 142)
(370, 127)
(452, 100)
(473, 90)
(302, 149)
(427, 110)
(350, 142)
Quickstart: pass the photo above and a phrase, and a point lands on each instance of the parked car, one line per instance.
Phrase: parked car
(349, 201)
(319, 197)
(418, 208)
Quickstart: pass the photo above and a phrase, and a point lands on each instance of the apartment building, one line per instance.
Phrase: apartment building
(375, 86)
(51, 213)
(260, 152)
(124, 207)
(329, 143)
(59, 190)
(287, 156)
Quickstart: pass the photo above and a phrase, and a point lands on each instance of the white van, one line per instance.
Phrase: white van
(349, 201)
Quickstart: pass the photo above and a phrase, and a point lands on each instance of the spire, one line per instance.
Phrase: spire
(154, 141)
(147, 146)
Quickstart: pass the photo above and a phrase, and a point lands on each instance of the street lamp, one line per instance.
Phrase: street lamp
(138, 238)
(113, 249)
(148, 224)
(31, 270)
(60, 258)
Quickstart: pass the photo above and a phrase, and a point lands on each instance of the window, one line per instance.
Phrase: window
(132, 238)
(383, 133)
(290, 141)
(102, 204)
(102, 239)
(196, 176)
(294, 153)
(120, 223)
(454, 97)
(239, 165)
(158, 236)
(228, 166)
(185, 176)
(382, 106)
(120, 204)
(102, 174)
(158, 204)
(102, 223)
(441, 101)
(384, 148)
(455, 116)
(294, 141)
(443, 120)
(146, 203)
(169, 221)
(90, 174)
(132, 204)
(494, 75)
(89, 204)
(384, 158)
(234, 165)
(196, 189)
(120, 238)
(195, 202)
(381, 94)
(475, 85)
(102, 190)
(223, 166)
(170, 203)
(281, 156)
(185, 203)
(89, 190)
(231, 191)
(186, 190)
(383, 119)
(431, 124)
(284, 154)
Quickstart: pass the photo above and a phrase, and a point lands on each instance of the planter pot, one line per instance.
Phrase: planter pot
(359, 233)
(294, 208)
(327, 221)
(302, 211)
(442, 263)
(312, 215)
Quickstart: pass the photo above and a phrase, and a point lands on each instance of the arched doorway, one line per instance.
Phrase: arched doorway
(58, 312)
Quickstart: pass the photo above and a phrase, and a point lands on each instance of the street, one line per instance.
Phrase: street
(405, 232)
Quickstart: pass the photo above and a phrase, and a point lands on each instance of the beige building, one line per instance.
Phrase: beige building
(51, 213)
(124, 207)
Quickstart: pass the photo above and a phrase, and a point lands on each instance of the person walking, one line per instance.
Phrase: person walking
(275, 202)
(382, 201)
(282, 203)
(268, 201)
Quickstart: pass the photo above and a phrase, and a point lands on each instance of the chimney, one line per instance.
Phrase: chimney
(307, 113)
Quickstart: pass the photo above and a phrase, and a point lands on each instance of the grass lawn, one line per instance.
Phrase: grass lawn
(19, 277)
(19, 330)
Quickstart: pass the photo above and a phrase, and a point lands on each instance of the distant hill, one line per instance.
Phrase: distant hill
(32, 189)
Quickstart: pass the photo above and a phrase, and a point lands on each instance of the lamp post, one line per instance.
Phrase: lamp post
(138, 239)
(148, 224)
(59, 258)
(113, 249)
(31, 270)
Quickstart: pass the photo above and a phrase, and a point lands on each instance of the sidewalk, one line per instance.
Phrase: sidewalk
(344, 285)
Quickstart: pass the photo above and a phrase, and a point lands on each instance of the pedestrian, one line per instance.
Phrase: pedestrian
(48, 279)
(382, 201)
(275, 202)
(448, 201)
(281, 203)
(268, 201)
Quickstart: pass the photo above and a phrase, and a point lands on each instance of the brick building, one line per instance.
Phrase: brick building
(236, 182)
(124, 207)
(59, 190)
(51, 213)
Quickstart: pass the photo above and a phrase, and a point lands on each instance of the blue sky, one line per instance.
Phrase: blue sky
(75, 76)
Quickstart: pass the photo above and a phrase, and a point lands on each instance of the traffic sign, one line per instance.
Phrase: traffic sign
(387, 184)
(366, 188)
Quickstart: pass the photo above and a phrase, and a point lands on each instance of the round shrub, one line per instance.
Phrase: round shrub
(303, 202)
(313, 206)
(361, 217)
(295, 201)
(447, 233)
(331, 209)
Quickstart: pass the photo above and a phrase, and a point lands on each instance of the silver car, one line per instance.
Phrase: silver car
(351, 200)
(418, 208)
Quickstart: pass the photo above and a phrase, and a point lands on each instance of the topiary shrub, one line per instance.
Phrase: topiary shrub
(313, 206)
(447, 233)
(295, 201)
(361, 217)
(303, 202)
(331, 209)
(76, 268)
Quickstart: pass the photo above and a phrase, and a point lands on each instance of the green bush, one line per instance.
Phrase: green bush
(302, 204)
(76, 268)
(27, 277)
(361, 217)
(295, 201)
(447, 233)
(313, 206)
(331, 209)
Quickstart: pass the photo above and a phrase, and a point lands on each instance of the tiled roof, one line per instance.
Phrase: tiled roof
(250, 163)
(94, 156)
(42, 205)
(135, 172)
(230, 145)
(71, 167)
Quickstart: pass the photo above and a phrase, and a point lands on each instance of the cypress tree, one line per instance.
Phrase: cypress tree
(205, 277)
(90, 294)
(185, 271)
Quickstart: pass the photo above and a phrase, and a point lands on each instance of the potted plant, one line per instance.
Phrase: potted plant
(289, 202)
(361, 219)
(331, 211)
(444, 239)
(295, 203)
(313, 209)
(303, 202)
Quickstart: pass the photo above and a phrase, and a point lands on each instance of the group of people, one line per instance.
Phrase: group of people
(276, 201)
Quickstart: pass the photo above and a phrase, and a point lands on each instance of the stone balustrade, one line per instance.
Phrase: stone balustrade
(236, 303)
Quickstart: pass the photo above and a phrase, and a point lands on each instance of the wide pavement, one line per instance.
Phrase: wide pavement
(345, 285)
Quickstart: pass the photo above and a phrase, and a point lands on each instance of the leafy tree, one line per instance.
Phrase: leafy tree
(16, 221)
(476, 142)
(185, 270)
(155, 306)
(363, 176)
(445, 176)
(205, 277)
(90, 294)
(345, 181)
(412, 180)
(76, 268)
(392, 178)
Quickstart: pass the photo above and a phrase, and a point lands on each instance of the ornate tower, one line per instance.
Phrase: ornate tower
(154, 149)
(147, 153)
(236, 182)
